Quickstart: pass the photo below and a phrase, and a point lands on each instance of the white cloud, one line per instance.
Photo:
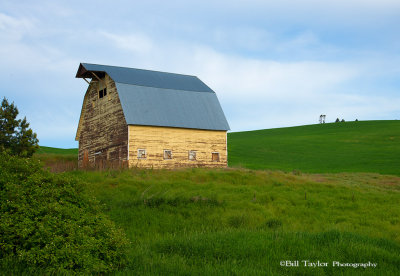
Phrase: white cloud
(237, 76)
(13, 28)
(134, 42)
(21, 51)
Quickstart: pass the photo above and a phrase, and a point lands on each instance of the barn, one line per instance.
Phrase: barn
(149, 119)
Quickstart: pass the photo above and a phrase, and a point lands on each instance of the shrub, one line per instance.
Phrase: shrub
(47, 221)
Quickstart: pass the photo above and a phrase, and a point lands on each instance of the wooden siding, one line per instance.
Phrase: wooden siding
(180, 141)
(102, 130)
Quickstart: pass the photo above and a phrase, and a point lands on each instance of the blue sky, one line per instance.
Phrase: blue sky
(271, 63)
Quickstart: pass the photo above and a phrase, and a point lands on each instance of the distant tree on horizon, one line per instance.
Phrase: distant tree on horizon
(15, 135)
(337, 120)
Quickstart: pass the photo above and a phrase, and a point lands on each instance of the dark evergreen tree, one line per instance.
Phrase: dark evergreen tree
(15, 135)
(337, 120)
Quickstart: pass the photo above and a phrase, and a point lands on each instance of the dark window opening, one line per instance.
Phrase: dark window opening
(102, 93)
(215, 156)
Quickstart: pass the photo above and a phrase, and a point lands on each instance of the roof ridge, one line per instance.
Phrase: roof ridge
(141, 69)
(144, 77)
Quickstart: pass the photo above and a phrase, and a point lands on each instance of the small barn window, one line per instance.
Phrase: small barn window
(102, 93)
(215, 156)
(167, 154)
(141, 154)
(192, 155)
(102, 88)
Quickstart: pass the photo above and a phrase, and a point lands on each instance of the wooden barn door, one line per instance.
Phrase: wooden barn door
(100, 160)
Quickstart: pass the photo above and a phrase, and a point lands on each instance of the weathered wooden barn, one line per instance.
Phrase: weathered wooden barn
(149, 119)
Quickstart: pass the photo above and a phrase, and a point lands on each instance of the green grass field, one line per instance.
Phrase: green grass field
(49, 150)
(58, 160)
(53, 155)
(365, 146)
(320, 193)
(244, 222)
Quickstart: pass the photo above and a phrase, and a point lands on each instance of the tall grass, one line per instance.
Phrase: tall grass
(243, 222)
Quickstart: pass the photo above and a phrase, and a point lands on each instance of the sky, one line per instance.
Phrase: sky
(271, 63)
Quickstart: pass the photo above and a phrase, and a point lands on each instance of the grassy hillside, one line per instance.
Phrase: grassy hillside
(57, 159)
(224, 222)
(365, 146)
(49, 150)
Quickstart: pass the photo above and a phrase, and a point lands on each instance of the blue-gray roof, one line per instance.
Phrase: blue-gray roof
(163, 99)
(174, 108)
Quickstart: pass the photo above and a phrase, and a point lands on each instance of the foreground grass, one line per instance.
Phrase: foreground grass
(220, 222)
(365, 146)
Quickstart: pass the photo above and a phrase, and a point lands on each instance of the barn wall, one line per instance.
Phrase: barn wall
(102, 128)
(180, 141)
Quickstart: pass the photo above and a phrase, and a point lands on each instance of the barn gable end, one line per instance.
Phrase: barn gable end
(102, 130)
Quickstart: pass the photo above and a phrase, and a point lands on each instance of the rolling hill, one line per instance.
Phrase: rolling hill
(364, 146)
(50, 150)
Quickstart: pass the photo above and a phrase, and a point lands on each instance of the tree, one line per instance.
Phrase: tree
(337, 120)
(15, 135)
(343, 121)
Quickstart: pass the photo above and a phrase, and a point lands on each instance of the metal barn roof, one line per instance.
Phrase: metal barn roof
(162, 99)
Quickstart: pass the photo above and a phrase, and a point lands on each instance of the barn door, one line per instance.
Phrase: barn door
(100, 159)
